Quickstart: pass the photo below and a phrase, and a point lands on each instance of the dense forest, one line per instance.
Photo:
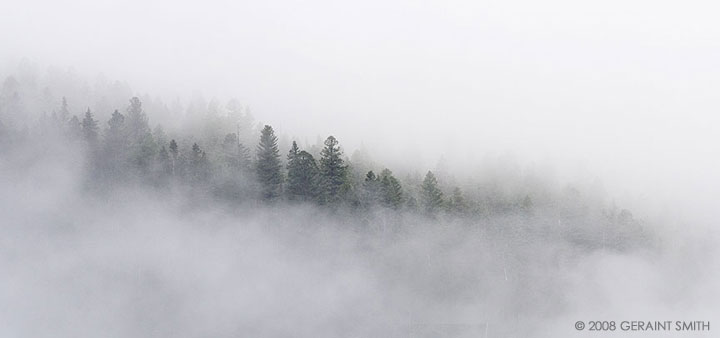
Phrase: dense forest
(196, 210)
(219, 155)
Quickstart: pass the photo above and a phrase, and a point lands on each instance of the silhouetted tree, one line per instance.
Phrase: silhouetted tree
(333, 171)
(268, 164)
(303, 177)
(392, 194)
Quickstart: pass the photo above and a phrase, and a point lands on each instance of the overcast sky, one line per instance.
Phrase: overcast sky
(626, 88)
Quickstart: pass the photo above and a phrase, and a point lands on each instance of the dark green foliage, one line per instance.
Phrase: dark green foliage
(371, 190)
(333, 171)
(392, 193)
(303, 176)
(268, 165)
(208, 160)
(431, 196)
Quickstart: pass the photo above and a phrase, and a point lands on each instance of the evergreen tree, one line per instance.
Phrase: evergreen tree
(303, 176)
(268, 164)
(198, 165)
(137, 120)
(237, 157)
(243, 154)
(457, 204)
(392, 194)
(116, 124)
(114, 152)
(142, 145)
(333, 171)
(173, 156)
(371, 189)
(90, 129)
(294, 150)
(431, 196)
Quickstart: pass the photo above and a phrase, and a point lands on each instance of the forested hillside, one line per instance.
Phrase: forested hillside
(216, 154)
(171, 205)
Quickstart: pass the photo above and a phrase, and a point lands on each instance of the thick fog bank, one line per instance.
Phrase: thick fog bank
(138, 263)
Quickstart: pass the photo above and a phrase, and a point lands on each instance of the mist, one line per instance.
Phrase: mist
(582, 139)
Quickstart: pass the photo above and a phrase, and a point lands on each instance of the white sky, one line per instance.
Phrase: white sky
(627, 88)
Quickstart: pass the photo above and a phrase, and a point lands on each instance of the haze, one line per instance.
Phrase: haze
(627, 88)
(622, 94)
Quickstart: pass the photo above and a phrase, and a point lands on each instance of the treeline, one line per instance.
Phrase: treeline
(222, 155)
(126, 150)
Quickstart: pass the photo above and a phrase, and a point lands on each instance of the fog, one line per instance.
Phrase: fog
(587, 108)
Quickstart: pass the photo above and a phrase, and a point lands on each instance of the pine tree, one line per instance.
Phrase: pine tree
(431, 196)
(392, 194)
(294, 150)
(333, 171)
(114, 154)
(303, 176)
(142, 145)
(237, 157)
(243, 154)
(268, 164)
(173, 156)
(370, 190)
(137, 120)
(198, 165)
(90, 129)
(116, 123)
